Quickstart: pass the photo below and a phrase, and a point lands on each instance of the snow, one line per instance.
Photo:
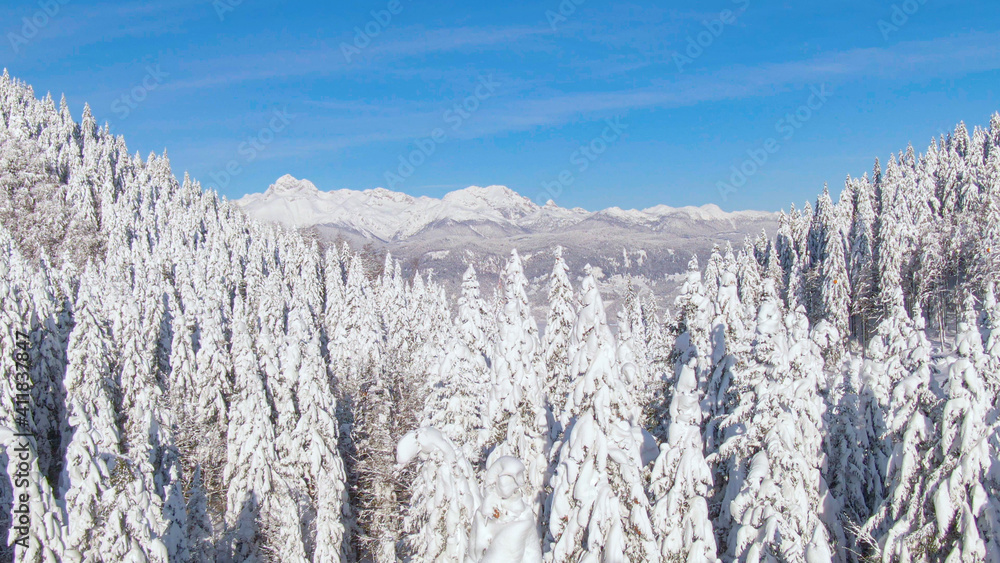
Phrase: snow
(438, 254)
(504, 529)
(289, 187)
(386, 215)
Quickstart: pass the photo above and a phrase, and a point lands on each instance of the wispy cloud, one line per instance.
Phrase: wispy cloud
(919, 60)
(915, 60)
(524, 104)
(80, 25)
(422, 42)
(385, 55)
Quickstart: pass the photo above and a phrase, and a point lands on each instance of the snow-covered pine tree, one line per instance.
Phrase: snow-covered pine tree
(147, 440)
(632, 342)
(598, 507)
(749, 277)
(941, 502)
(333, 284)
(473, 319)
(861, 261)
(445, 498)
(713, 271)
(888, 247)
(207, 448)
(107, 502)
(990, 327)
(834, 296)
(681, 480)
(49, 338)
(659, 348)
(558, 331)
(46, 529)
(377, 486)
(691, 331)
(694, 315)
(788, 258)
(987, 224)
(357, 343)
(775, 492)
(456, 399)
(251, 456)
(390, 294)
(823, 228)
(279, 355)
(316, 456)
(912, 434)
(517, 414)
(879, 372)
(730, 351)
(846, 445)
(183, 367)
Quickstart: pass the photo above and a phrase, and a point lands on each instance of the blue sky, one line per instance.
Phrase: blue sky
(508, 93)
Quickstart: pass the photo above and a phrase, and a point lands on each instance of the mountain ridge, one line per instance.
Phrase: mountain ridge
(479, 226)
(390, 216)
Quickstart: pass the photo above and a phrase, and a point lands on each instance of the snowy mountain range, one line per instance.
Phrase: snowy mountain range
(480, 225)
(387, 216)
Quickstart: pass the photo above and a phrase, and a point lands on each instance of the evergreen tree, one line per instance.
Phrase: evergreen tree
(749, 277)
(517, 412)
(632, 351)
(834, 294)
(473, 319)
(438, 522)
(773, 499)
(944, 507)
(558, 332)
(456, 403)
(681, 481)
(860, 264)
(250, 452)
(316, 454)
(598, 506)
(44, 542)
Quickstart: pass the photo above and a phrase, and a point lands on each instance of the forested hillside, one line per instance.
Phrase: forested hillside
(182, 383)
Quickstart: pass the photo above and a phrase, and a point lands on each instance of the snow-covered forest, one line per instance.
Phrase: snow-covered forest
(181, 383)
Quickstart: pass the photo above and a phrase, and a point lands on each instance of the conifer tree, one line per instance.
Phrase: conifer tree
(517, 413)
(834, 294)
(681, 480)
(749, 277)
(316, 455)
(773, 499)
(632, 351)
(46, 529)
(558, 329)
(473, 318)
(860, 264)
(598, 506)
(456, 402)
(438, 522)
(943, 508)
(250, 449)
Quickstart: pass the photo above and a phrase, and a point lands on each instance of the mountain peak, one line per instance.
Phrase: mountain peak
(289, 185)
(494, 192)
(382, 194)
(498, 198)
